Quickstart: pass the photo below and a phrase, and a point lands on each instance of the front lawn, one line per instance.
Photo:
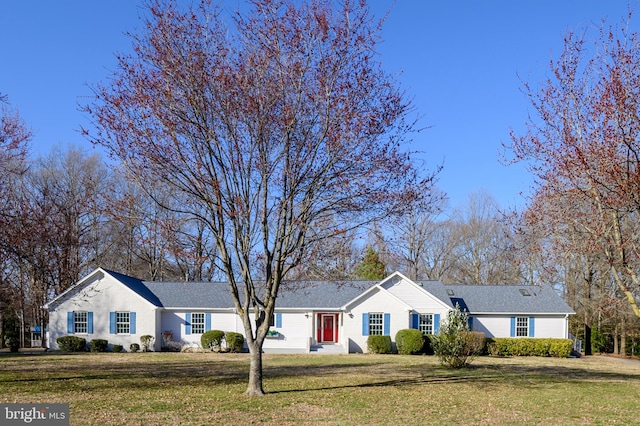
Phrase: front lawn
(199, 388)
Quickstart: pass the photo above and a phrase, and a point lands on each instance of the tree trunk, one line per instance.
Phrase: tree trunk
(587, 340)
(254, 388)
(623, 338)
(615, 340)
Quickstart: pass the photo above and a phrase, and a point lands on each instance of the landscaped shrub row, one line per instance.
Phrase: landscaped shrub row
(213, 340)
(559, 348)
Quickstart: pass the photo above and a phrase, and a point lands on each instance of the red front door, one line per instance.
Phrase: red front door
(327, 328)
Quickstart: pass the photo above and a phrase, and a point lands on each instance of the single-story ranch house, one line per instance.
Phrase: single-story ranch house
(316, 316)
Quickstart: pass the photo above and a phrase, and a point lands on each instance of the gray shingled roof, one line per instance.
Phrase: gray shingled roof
(508, 299)
(216, 295)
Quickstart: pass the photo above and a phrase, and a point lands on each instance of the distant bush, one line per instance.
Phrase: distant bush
(117, 348)
(147, 342)
(523, 346)
(409, 341)
(134, 347)
(98, 345)
(378, 344)
(235, 341)
(212, 340)
(72, 344)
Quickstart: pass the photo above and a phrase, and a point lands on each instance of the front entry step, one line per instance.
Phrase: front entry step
(327, 348)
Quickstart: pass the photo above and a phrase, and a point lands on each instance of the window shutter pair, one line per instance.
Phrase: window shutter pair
(112, 323)
(532, 331)
(187, 322)
(415, 322)
(386, 324)
(71, 322)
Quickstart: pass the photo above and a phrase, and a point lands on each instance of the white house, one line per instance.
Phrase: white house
(310, 316)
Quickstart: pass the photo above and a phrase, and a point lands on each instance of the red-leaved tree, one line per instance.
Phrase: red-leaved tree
(270, 127)
(584, 147)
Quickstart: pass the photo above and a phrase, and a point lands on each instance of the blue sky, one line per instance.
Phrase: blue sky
(462, 62)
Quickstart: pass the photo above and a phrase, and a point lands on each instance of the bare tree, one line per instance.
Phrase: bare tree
(269, 129)
(584, 145)
(483, 243)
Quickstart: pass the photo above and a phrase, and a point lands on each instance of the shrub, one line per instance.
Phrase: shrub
(409, 341)
(72, 344)
(235, 341)
(378, 344)
(134, 347)
(212, 339)
(147, 342)
(456, 346)
(117, 348)
(98, 345)
(522, 346)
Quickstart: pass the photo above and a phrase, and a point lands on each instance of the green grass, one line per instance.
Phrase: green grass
(198, 388)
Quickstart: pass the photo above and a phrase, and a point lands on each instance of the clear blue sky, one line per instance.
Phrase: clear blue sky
(459, 60)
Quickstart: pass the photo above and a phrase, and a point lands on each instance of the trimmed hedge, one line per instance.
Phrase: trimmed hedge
(99, 345)
(235, 341)
(72, 344)
(378, 344)
(212, 339)
(409, 341)
(134, 347)
(117, 348)
(522, 346)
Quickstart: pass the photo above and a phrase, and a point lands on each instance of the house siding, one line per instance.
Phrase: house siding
(414, 296)
(101, 296)
(376, 301)
(554, 326)
(295, 333)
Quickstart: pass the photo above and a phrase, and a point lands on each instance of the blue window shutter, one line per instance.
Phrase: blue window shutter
(187, 323)
(415, 321)
(132, 323)
(513, 327)
(207, 321)
(365, 324)
(70, 327)
(112, 322)
(90, 322)
(279, 320)
(436, 323)
(470, 323)
(531, 327)
(386, 324)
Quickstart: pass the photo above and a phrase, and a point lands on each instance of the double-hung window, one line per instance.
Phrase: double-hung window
(375, 323)
(425, 324)
(522, 326)
(80, 323)
(123, 324)
(197, 323)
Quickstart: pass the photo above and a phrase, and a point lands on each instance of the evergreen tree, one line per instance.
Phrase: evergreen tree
(371, 267)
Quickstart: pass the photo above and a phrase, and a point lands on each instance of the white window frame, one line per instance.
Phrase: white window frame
(376, 323)
(123, 323)
(522, 326)
(197, 323)
(81, 322)
(425, 323)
